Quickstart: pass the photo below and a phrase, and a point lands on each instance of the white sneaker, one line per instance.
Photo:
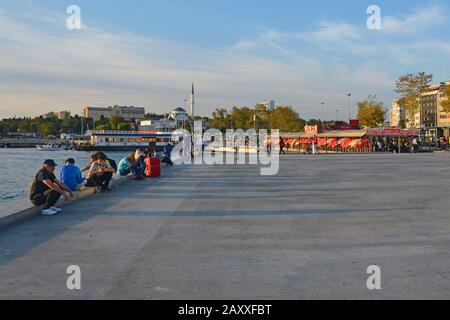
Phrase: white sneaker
(56, 209)
(48, 212)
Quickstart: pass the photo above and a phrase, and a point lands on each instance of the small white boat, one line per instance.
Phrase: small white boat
(51, 147)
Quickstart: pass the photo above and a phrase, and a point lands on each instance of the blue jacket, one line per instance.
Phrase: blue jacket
(71, 176)
(168, 150)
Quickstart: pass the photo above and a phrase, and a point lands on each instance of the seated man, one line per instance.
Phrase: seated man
(71, 175)
(46, 189)
(100, 173)
(128, 165)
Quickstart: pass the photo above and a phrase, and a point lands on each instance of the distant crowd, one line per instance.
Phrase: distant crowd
(46, 189)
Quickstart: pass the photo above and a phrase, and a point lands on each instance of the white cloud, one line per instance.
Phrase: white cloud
(422, 18)
(44, 66)
(333, 33)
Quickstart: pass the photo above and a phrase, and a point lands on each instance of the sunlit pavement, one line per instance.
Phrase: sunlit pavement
(225, 232)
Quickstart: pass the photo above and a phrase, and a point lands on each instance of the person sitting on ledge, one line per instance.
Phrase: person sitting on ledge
(71, 175)
(128, 165)
(112, 168)
(139, 157)
(94, 157)
(46, 189)
(100, 173)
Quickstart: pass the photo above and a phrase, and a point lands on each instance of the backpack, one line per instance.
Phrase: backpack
(113, 164)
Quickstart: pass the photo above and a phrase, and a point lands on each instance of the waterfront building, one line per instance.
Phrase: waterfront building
(49, 115)
(434, 121)
(429, 117)
(127, 113)
(429, 101)
(62, 115)
(268, 104)
(396, 115)
(443, 118)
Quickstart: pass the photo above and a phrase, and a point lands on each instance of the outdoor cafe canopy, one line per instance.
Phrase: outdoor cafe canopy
(340, 134)
(355, 134)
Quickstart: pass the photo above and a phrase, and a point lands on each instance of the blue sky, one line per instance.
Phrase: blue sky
(147, 53)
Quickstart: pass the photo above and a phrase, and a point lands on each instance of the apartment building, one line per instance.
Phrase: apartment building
(128, 113)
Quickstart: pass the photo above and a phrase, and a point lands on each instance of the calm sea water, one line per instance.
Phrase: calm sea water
(18, 167)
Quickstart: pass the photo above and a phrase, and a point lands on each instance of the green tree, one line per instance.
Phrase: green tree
(103, 127)
(115, 122)
(410, 87)
(48, 128)
(371, 112)
(125, 126)
(66, 125)
(219, 119)
(314, 122)
(242, 118)
(24, 125)
(262, 116)
(286, 119)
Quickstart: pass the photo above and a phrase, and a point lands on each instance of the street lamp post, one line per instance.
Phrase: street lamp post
(321, 115)
(321, 111)
(349, 112)
(184, 119)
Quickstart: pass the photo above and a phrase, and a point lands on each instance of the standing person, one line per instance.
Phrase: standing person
(167, 155)
(269, 146)
(444, 143)
(201, 144)
(414, 145)
(46, 189)
(168, 149)
(393, 147)
(282, 145)
(71, 175)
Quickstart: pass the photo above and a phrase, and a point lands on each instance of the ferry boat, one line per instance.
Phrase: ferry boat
(114, 140)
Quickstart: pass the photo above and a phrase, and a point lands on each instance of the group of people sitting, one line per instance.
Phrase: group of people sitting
(46, 189)
(137, 163)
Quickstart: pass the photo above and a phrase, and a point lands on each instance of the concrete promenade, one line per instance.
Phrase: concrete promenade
(225, 232)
